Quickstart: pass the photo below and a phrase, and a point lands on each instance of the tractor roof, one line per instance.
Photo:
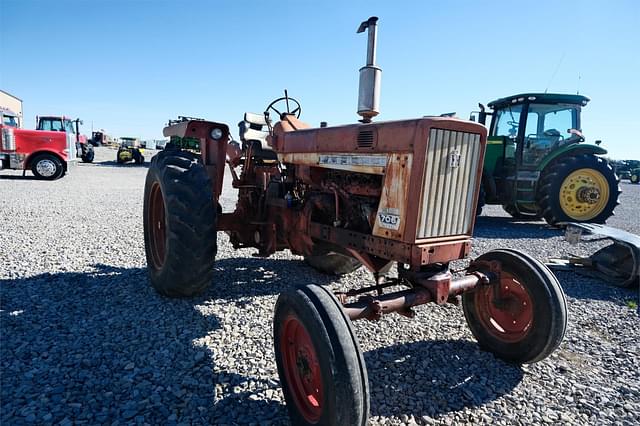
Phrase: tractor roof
(545, 98)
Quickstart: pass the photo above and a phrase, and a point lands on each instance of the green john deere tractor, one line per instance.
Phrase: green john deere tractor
(537, 166)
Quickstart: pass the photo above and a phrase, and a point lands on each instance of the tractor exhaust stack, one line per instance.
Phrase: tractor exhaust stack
(370, 75)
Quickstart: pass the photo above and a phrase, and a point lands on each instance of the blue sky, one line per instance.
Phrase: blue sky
(128, 66)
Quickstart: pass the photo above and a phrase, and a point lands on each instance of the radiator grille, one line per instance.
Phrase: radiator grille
(365, 139)
(446, 203)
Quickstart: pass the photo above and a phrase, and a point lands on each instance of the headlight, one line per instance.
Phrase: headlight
(216, 133)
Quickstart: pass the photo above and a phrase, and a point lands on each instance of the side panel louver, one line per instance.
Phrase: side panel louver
(366, 139)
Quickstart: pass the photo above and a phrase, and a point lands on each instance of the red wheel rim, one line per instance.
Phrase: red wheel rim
(507, 315)
(158, 226)
(302, 369)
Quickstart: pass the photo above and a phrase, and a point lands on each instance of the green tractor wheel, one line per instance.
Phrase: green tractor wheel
(635, 177)
(583, 188)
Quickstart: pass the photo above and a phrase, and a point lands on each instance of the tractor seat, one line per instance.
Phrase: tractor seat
(252, 133)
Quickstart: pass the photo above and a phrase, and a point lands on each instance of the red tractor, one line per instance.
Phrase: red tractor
(398, 197)
(47, 153)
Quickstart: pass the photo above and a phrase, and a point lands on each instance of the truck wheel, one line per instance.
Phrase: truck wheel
(179, 224)
(321, 367)
(47, 166)
(324, 260)
(523, 317)
(89, 155)
(583, 188)
(520, 213)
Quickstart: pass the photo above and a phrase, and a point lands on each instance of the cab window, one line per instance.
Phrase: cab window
(507, 122)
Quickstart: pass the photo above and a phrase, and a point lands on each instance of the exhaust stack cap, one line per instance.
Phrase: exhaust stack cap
(370, 75)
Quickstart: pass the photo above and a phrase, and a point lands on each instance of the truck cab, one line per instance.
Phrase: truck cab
(71, 128)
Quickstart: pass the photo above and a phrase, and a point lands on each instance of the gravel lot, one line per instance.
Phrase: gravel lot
(84, 339)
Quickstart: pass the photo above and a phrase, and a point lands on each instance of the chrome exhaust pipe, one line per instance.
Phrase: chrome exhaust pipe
(370, 75)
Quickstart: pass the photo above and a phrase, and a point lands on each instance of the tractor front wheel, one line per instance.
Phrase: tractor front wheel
(635, 177)
(179, 224)
(520, 213)
(325, 260)
(320, 364)
(583, 188)
(521, 316)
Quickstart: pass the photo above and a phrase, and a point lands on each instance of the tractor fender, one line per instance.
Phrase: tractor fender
(571, 150)
(27, 162)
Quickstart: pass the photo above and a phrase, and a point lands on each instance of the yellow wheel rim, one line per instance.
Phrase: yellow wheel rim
(584, 194)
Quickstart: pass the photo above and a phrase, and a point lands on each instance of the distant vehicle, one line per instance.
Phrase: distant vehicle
(9, 118)
(129, 150)
(72, 129)
(536, 164)
(49, 154)
(101, 138)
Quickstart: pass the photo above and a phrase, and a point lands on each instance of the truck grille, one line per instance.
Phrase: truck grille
(446, 203)
(8, 139)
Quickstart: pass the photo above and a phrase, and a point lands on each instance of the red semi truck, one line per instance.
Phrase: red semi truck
(48, 151)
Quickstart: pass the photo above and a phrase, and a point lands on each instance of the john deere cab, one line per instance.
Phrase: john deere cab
(536, 164)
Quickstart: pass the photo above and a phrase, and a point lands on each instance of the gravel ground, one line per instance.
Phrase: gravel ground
(84, 339)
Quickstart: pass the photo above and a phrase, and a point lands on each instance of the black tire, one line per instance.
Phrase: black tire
(140, 159)
(539, 326)
(118, 159)
(634, 178)
(310, 325)
(550, 190)
(327, 261)
(47, 167)
(179, 224)
(482, 196)
(519, 213)
(89, 155)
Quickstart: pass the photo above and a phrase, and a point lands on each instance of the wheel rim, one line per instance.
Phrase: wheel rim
(302, 369)
(157, 224)
(46, 167)
(507, 315)
(584, 194)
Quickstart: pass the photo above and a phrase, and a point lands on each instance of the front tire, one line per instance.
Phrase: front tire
(523, 317)
(321, 368)
(47, 167)
(583, 188)
(520, 213)
(179, 224)
(635, 178)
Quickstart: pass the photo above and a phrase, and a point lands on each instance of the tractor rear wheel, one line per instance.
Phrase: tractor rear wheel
(522, 317)
(47, 167)
(583, 188)
(635, 177)
(320, 364)
(325, 260)
(89, 154)
(179, 224)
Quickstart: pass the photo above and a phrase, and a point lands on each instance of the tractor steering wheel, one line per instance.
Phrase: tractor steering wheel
(553, 133)
(295, 111)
